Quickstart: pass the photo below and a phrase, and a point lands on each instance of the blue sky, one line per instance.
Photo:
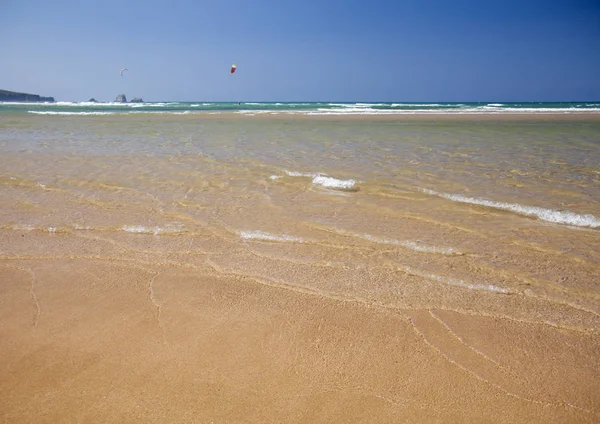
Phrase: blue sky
(305, 50)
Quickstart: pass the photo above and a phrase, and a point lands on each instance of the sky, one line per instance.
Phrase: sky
(303, 50)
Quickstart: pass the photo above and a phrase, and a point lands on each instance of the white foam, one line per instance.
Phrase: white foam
(549, 215)
(418, 105)
(144, 104)
(48, 112)
(26, 103)
(260, 235)
(356, 105)
(159, 112)
(414, 245)
(301, 174)
(324, 180)
(445, 110)
(275, 177)
(509, 110)
(330, 182)
(90, 104)
(254, 112)
(118, 104)
(457, 283)
(170, 228)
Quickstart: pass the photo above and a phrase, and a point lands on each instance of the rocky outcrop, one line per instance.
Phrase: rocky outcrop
(121, 99)
(136, 100)
(92, 100)
(13, 96)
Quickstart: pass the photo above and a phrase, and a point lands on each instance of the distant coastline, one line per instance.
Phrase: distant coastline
(13, 96)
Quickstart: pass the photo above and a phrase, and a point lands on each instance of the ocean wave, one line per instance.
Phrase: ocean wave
(144, 104)
(260, 235)
(549, 215)
(26, 103)
(448, 111)
(86, 104)
(330, 182)
(62, 113)
(419, 105)
(351, 111)
(301, 174)
(255, 112)
(509, 109)
(159, 112)
(323, 180)
(316, 108)
(110, 104)
(453, 282)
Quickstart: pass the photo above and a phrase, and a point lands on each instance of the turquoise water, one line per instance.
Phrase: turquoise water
(307, 108)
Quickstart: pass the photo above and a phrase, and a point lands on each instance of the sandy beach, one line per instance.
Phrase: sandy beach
(184, 270)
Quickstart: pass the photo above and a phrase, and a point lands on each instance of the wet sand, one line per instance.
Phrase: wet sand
(275, 301)
(95, 338)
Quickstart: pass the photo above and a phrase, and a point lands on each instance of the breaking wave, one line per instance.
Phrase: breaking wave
(329, 182)
(323, 180)
(549, 215)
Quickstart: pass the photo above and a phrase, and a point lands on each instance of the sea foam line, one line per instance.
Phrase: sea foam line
(549, 215)
(47, 112)
(323, 180)
(260, 235)
(414, 245)
(331, 182)
(453, 282)
(174, 228)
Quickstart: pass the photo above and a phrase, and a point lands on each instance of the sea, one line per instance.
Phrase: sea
(302, 108)
(490, 209)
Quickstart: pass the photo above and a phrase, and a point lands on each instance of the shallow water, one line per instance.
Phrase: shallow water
(177, 266)
(453, 213)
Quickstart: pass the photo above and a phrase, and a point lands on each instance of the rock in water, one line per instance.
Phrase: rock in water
(136, 100)
(121, 99)
(92, 100)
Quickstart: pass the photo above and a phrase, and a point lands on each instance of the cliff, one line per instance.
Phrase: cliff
(13, 96)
